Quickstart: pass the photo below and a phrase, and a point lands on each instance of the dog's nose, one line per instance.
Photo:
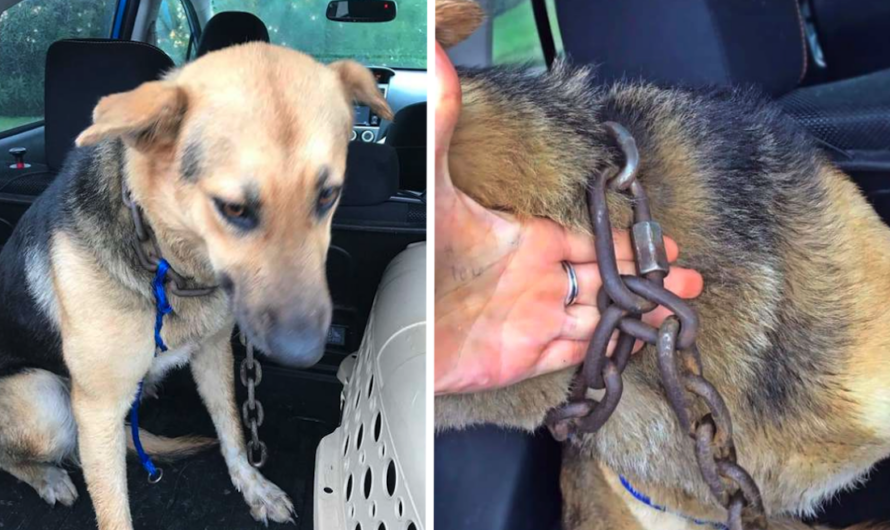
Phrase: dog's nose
(298, 342)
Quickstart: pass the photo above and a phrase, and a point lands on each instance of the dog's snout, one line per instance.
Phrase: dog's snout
(298, 339)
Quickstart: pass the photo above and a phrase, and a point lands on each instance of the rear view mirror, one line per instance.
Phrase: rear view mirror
(361, 10)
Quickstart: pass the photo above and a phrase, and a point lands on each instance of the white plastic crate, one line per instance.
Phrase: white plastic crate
(370, 471)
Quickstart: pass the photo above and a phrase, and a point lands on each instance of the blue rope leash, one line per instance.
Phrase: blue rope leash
(648, 502)
(158, 286)
(163, 305)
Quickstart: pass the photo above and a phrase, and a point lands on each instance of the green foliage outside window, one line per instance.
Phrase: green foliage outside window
(301, 24)
(173, 30)
(26, 31)
(514, 33)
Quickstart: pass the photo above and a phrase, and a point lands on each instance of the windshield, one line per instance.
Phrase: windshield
(302, 25)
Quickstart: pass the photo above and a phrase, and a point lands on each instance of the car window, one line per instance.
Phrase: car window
(303, 26)
(26, 31)
(172, 31)
(514, 33)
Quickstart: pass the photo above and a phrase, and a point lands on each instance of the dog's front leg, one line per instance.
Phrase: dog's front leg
(102, 391)
(103, 453)
(212, 368)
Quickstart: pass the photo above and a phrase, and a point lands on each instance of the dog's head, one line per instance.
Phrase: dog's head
(239, 158)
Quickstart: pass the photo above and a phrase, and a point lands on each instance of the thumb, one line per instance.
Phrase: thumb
(448, 103)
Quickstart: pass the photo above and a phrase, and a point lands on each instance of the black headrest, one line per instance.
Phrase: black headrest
(408, 127)
(230, 28)
(691, 43)
(79, 72)
(372, 174)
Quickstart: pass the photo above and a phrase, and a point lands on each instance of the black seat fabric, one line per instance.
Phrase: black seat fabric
(497, 479)
(79, 72)
(853, 114)
(230, 28)
(704, 42)
(407, 135)
(372, 174)
(733, 42)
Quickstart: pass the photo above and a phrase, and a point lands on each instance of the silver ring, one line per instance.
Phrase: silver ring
(572, 294)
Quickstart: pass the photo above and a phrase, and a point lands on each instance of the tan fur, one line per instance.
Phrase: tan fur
(162, 448)
(594, 499)
(456, 20)
(22, 393)
(525, 154)
(38, 433)
(522, 158)
(361, 85)
(258, 124)
(589, 501)
(154, 109)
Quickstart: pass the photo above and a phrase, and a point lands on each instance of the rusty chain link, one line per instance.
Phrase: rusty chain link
(252, 410)
(622, 301)
(149, 260)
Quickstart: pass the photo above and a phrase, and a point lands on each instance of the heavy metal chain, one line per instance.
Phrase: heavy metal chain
(149, 260)
(622, 301)
(252, 410)
(251, 371)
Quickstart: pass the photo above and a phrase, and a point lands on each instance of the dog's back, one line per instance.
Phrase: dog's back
(29, 330)
(795, 262)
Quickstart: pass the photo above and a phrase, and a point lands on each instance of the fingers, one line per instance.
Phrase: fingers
(579, 248)
(580, 322)
(559, 355)
(562, 354)
(685, 283)
(583, 316)
(590, 281)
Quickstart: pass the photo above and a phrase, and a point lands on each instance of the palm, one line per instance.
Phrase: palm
(500, 286)
(495, 281)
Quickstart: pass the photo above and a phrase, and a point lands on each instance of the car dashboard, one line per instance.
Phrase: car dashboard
(400, 87)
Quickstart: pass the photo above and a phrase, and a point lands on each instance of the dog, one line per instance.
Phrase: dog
(795, 312)
(236, 161)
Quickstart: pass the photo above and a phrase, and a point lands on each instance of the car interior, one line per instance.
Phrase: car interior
(826, 63)
(98, 48)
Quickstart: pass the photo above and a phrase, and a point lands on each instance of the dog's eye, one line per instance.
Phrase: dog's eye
(240, 215)
(327, 196)
(233, 210)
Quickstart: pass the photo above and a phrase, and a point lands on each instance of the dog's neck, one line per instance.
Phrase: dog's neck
(106, 225)
(665, 509)
(185, 252)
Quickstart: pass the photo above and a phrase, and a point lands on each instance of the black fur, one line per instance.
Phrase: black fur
(760, 170)
(748, 197)
(84, 200)
(192, 161)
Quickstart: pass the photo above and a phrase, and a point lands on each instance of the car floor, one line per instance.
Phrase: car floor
(196, 493)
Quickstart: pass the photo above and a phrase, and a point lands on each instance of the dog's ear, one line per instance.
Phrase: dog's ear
(456, 20)
(146, 117)
(361, 86)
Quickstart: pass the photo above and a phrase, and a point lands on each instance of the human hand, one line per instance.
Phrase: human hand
(500, 288)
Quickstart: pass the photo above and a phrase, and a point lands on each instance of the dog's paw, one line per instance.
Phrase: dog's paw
(266, 500)
(56, 486)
